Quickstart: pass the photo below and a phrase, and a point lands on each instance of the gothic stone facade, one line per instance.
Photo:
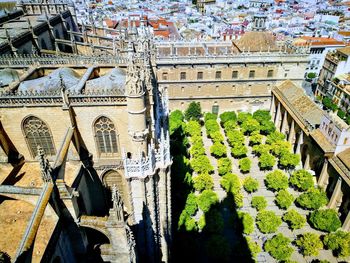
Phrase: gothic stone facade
(116, 118)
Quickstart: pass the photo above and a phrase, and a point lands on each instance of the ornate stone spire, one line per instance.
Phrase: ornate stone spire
(134, 85)
(44, 166)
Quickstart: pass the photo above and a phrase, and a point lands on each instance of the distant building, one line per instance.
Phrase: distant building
(319, 47)
(336, 63)
(201, 4)
(225, 75)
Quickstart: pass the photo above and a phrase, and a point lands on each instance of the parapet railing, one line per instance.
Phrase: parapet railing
(52, 60)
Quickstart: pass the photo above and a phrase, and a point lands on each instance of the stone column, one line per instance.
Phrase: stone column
(299, 142)
(337, 194)
(163, 213)
(307, 161)
(273, 108)
(291, 136)
(284, 122)
(278, 116)
(346, 225)
(149, 218)
(323, 179)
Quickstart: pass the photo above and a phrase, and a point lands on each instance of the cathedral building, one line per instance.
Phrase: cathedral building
(84, 156)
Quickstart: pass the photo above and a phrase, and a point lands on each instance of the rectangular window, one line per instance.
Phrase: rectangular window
(235, 74)
(199, 75)
(252, 74)
(218, 75)
(182, 75)
(165, 76)
(270, 73)
(215, 109)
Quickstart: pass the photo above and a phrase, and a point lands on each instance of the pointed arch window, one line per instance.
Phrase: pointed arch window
(106, 137)
(37, 133)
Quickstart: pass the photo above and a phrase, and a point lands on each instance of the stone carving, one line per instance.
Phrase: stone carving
(133, 79)
(45, 167)
(117, 203)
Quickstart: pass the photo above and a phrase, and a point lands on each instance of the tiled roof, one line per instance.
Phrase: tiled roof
(299, 103)
(317, 41)
(344, 50)
(344, 157)
(256, 41)
(322, 141)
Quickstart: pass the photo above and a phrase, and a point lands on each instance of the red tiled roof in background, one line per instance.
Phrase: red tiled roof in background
(317, 41)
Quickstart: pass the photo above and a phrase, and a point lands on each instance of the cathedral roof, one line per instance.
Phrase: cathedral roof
(8, 76)
(113, 80)
(255, 41)
(52, 82)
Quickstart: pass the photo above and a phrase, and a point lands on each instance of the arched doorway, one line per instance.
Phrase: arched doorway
(113, 177)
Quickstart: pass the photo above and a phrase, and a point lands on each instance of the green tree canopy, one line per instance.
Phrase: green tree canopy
(284, 199)
(262, 115)
(294, 219)
(176, 119)
(281, 147)
(302, 180)
(250, 184)
(312, 199)
(211, 126)
(339, 243)
(267, 127)
(231, 183)
(255, 138)
(228, 116)
(254, 248)
(261, 149)
(224, 166)
(193, 128)
(325, 220)
(201, 164)
(245, 164)
(235, 137)
(309, 244)
(218, 150)
(259, 202)
(289, 160)
(266, 161)
(276, 180)
(239, 151)
(279, 247)
(191, 204)
(206, 199)
(247, 222)
(275, 137)
(268, 221)
(250, 125)
(243, 116)
(230, 125)
(197, 148)
(202, 182)
(194, 111)
(210, 116)
(217, 137)
(328, 103)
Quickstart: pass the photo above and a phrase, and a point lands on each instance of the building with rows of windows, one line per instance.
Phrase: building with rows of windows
(224, 75)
